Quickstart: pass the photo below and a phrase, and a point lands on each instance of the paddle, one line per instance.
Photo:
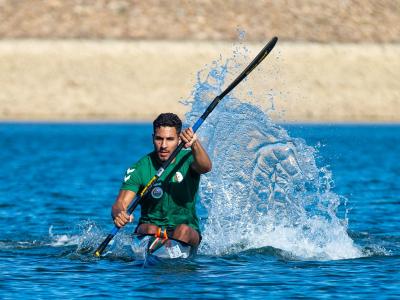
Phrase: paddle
(139, 196)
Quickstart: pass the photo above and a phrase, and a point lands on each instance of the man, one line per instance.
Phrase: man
(171, 204)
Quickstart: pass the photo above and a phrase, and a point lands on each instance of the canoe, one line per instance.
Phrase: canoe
(151, 247)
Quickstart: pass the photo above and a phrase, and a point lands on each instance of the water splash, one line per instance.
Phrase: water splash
(61, 240)
(86, 238)
(265, 188)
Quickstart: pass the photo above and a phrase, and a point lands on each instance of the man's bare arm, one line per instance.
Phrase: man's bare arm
(118, 210)
(202, 163)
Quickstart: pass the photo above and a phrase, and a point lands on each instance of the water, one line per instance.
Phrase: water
(58, 182)
(288, 210)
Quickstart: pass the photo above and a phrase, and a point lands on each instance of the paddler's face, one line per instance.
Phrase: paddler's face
(165, 140)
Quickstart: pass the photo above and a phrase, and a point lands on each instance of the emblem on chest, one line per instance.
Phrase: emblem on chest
(178, 177)
(157, 192)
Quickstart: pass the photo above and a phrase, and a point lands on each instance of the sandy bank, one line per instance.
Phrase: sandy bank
(120, 80)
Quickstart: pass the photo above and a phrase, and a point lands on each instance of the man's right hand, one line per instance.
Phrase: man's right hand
(122, 218)
(118, 210)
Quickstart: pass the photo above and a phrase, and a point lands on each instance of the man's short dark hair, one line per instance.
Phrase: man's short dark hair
(168, 120)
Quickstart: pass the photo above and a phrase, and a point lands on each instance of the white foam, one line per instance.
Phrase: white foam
(62, 239)
(265, 188)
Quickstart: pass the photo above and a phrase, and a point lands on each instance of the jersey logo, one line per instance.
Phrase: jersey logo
(157, 192)
(129, 171)
(126, 178)
(178, 177)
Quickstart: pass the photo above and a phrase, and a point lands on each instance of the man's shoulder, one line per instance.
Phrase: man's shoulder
(147, 157)
(143, 161)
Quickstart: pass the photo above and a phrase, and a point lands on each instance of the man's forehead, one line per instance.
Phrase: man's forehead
(166, 131)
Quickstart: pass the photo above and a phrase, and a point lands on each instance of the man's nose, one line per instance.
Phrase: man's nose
(164, 143)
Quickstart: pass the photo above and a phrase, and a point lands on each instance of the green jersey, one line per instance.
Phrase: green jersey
(172, 200)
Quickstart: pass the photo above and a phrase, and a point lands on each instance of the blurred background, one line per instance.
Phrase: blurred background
(129, 60)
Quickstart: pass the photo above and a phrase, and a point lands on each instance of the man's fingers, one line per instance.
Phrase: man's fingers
(122, 219)
(188, 137)
(185, 139)
(118, 223)
(125, 215)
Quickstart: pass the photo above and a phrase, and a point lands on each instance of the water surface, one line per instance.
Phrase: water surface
(58, 181)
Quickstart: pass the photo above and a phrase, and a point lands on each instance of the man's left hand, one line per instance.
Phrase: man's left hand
(188, 137)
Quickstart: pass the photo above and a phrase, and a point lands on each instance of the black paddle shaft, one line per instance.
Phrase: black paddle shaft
(256, 61)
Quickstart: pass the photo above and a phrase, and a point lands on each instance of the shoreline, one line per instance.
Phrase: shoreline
(149, 122)
(108, 80)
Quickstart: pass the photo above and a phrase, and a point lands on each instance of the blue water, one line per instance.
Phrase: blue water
(288, 211)
(58, 181)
